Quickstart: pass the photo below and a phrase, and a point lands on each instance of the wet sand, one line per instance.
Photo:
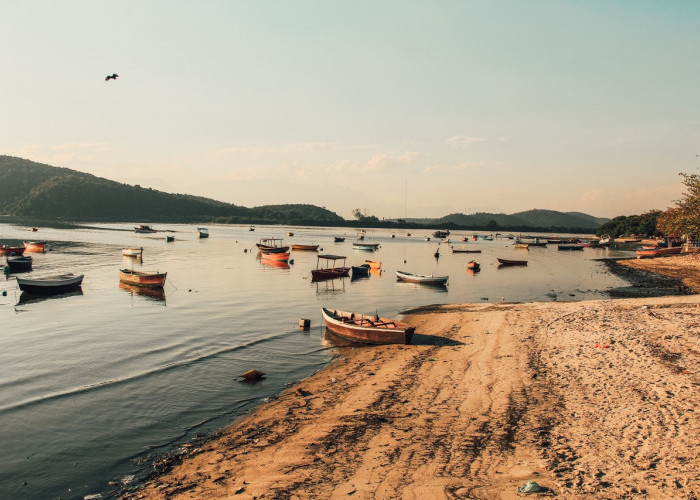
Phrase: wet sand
(595, 398)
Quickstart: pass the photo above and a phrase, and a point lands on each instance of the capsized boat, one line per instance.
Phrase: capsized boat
(367, 329)
(150, 279)
(60, 283)
(423, 279)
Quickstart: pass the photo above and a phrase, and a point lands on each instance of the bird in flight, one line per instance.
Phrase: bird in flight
(113, 76)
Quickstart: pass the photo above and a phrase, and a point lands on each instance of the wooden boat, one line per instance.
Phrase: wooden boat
(508, 262)
(132, 252)
(464, 250)
(369, 247)
(150, 279)
(305, 248)
(7, 250)
(252, 375)
(441, 233)
(283, 264)
(60, 283)
(281, 256)
(18, 263)
(361, 271)
(570, 247)
(339, 239)
(367, 329)
(520, 244)
(657, 252)
(423, 279)
(35, 246)
(170, 239)
(271, 245)
(374, 264)
(203, 232)
(142, 228)
(326, 273)
(473, 265)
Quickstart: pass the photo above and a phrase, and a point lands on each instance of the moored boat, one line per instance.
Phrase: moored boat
(326, 273)
(275, 255)
(370, 247)
(307, 248)
(7, 250)
(60, 283)
(361, 271)
(658, 252)
(170, 239)
(34, 246)
(19, 263)
(374, 264)
(441, 233)
(473, 265)
(367, 329)
(142, 228)
(423, 279)
(203, 232)
(150, 279)
(509, 262)
(338, 239)
(271, 245)
(606, 240)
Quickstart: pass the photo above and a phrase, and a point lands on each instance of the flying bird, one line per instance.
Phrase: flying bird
(113, 76)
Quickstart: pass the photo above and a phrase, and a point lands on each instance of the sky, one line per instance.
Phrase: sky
(399, 108)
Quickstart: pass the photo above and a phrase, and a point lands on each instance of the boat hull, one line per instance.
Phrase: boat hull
(367, 329)
(328, 274)
(506, 262)
(7, 250)
(145, 279)
(368, 247)
(19, 264)
(34, 246)
(305, 248)
(422, 278)
(51, 285)
(658, 252)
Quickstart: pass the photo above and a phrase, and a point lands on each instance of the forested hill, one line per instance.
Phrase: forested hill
(30, 189)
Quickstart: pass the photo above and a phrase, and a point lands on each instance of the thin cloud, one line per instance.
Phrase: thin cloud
(463, 141)
(460, 166)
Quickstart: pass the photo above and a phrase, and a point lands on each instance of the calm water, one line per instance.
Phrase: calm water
(92, 384)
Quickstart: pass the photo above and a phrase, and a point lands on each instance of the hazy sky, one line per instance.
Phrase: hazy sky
(397, 107)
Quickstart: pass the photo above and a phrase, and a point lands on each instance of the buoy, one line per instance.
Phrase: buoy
(304, 323)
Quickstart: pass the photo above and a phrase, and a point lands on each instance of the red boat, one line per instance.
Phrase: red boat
(473, 265)
(35, 246)
(326, 273)
(367, 329)
(506, 262)
(656, 252)
(271, 245)
(7, 250)
(142, 278)
(274, 255)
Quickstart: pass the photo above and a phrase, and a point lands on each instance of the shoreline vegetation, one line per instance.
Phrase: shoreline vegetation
(585, 398)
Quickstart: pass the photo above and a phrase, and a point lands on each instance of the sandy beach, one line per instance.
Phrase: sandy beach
(595, 398)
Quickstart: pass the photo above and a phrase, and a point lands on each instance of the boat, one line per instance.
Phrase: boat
(339, 239)
(7, 250)
(606, 240)
(132, 252)
(281, 256)
(150, 279)
(441, 233)
(367, 329)
(508, 262)
(427, 238)
(142, 228)
(487, 238)
(657, 252)
(307, 248)
(570, 247)
(473, 265)
(370, 247)
(326, 273)
(18, 263)
(251, 228)
(252, 375)
(289, 233)
(423, 279)
(464, 250)
(520, 244)
(170, 239)
(271, 245)
(35, 229)
(35, 246)
(60, 283)
(361, 271)
(203, 232)
(374, 264)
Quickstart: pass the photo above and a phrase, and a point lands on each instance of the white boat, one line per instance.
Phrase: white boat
(203, 232)
(606, 240)
(424, 279)
(60, 283)
(371, 247)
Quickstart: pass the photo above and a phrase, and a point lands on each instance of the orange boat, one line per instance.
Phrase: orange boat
(374, 264)
(34, 246)
(7, 250)
(311, 248)
(142, 278)
(656, 252)
(275, 256)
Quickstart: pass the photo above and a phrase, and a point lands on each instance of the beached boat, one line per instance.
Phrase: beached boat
(60, 283)
(307, 248)
(473, 265)
(132, 252)
(271, 245)
(509, 262)
(281, 256)
(338, 239)
(369, 247)
(658, 252)
(142, 228)
(367, 329)
(7, 250)
(423, 279)
(35, 246)
(330, 270)
(361, 271)
(203, 232)
(150, 279)
(374, 264)
(570, 247)
(18, 263)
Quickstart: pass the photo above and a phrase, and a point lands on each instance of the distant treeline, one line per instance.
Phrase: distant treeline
(641, 225)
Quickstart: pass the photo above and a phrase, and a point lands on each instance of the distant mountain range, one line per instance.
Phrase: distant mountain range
(34, 190)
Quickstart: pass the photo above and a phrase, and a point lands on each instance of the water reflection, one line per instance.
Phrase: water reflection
(282, 264)
(157, 294)
(330, 286)
(30, 298)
